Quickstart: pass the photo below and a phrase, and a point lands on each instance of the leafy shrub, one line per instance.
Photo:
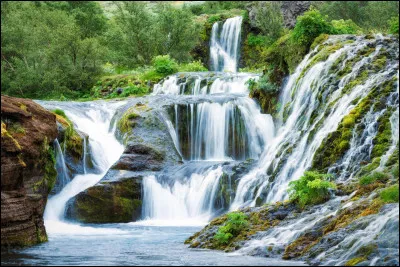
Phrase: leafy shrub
(312, 188)
(192, 67)
(394, 25)
(165, 65)
(264, 83)
(255, 40)
(237, 221)
(345, 27)
(390, 194)
(214, 18)
(373, 177)
(309, 26)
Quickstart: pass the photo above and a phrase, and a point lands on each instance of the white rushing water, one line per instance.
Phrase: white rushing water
(308, 121)
(205, 83)
(93, 119)
(183, 203)
(62, 173)
(225, 45)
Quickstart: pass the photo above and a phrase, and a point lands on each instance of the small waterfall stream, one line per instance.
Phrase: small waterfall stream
(224, 45)
(93, 119)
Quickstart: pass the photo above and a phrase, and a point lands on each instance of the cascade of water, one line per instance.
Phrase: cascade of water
(224, 45)
(94, 120)
(205, 84)
(185, 200)
(313, 107)
(373, 233)
(62, 173)
(222, 131)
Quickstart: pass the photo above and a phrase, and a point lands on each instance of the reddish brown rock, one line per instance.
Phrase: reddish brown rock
(27, 169)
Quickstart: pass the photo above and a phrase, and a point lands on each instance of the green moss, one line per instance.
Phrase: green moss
(336, 144)
(390, 194)
(382, 140)
(319, 40)
(16, 128)
(355, 261)
(127, 121)
(374, 177)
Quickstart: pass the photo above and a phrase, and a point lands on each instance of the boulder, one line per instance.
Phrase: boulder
(27, 170)
(115, 199)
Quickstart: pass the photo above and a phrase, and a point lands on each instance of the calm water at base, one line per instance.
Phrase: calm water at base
(126, 244)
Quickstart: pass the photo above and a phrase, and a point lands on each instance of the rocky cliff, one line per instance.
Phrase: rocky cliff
(27, 170)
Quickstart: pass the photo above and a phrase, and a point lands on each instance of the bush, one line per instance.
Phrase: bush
(394, 25)
(193, 67)
(345, 27)
(165, 65)
(237, 221)
(309, 26)
(312, 188)
(390, 194)
(374, 177)
(264, 83)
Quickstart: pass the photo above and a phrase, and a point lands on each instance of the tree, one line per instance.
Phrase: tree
(176, 32)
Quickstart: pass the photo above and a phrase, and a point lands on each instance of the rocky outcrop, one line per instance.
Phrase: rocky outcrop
(27, 170)
(291, 10)
(148, 149)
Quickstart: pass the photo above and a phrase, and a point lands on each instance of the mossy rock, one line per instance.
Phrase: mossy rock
(108, 202)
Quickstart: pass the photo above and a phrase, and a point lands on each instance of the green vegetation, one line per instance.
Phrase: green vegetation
(309, 26)
(390, 194)
(369, 15)
(312, 188)
(236, 222)
(374, 177)
(58, 50)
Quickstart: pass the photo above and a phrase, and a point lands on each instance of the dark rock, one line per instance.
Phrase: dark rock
(27, 170)
(115, 199)
(119, 90)
(292, 9)
(139, 158)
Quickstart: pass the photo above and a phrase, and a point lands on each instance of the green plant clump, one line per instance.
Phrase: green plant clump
(390, 194)
(374, 177)
(236, 222)
(312, 188)
(165, 65)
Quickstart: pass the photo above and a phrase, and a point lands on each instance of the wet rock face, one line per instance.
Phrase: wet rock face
(290, 11)
(116, 199)
(138, 158)
(27, 170)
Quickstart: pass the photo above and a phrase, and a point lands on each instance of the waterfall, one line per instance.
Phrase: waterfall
(315, 100)
(232, 130)
(224, 45)
(189, 201)
(212, 120)
(205, 83)
(62, 173)
(93, 119)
